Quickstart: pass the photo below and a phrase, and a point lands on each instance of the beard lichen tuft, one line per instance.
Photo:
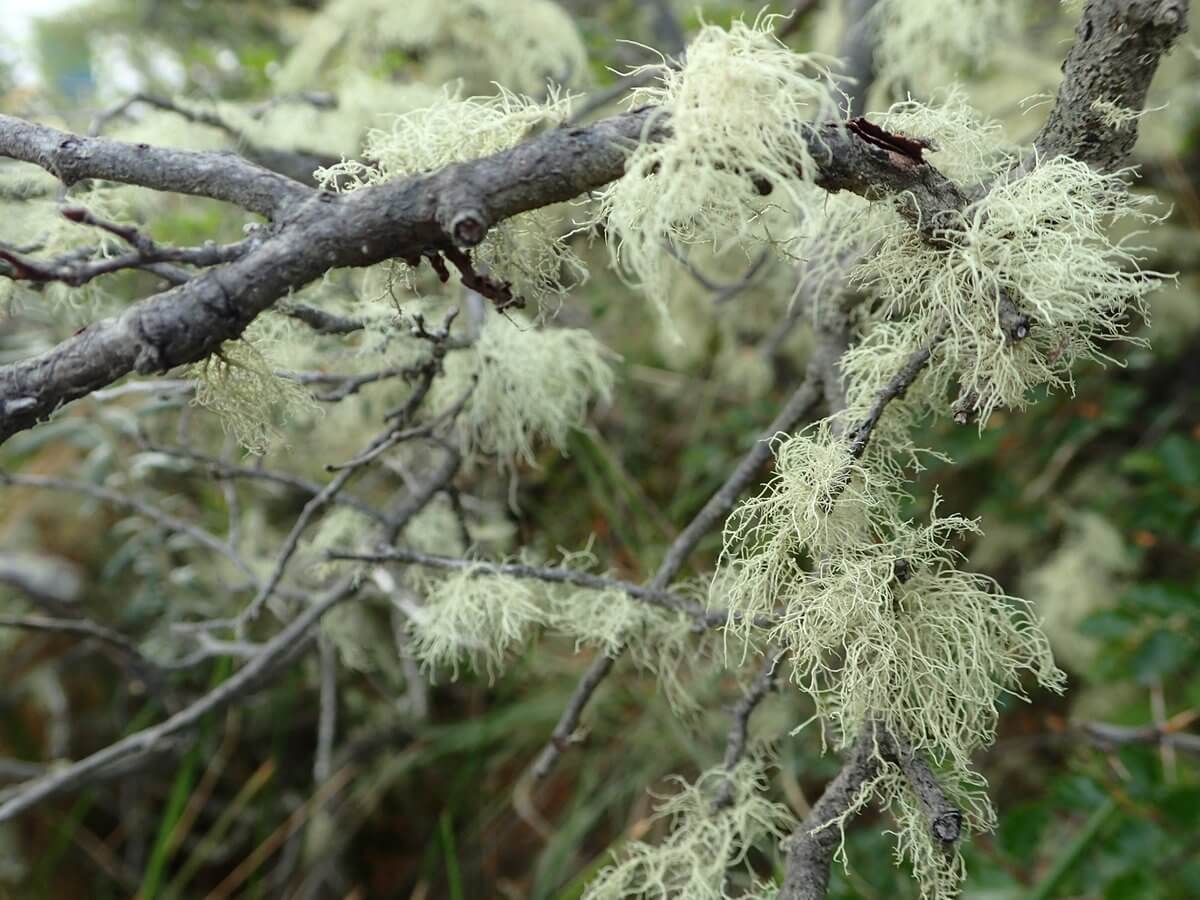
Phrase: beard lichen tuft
(522, 383)
(239, 385)
(952, 35)
(1041, 242)
(521, 45)
(739, 95)
(479, 620)
(703, 845)
(878, 624)
(1085, 575)
(528, 250)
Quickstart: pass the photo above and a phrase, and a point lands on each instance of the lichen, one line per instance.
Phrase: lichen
(693, 861)
(877, 621)
(476, 620)
(1084, 575)
(522, 383)
(738, 95)
(1043, 242)
(952, 36)
(240, 386)
(520, 46)
(527, 250)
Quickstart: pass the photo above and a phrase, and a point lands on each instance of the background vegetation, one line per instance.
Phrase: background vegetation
(1090, 503)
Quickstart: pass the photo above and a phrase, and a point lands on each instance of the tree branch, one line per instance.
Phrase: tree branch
(408, 218)
(219, 176)
(799, 405)
(739, 731)
(552, 574)
(276, 651)
(1118, 46)
(811, 847)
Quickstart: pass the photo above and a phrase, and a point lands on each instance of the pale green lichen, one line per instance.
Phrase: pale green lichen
(1043, 241)
(738, 95)
(239, 385)
(341, 528)
(356, 637)
(521, 46)
(879, 620)
(966, 147)
(31, 219)
(521, 384)
(527, 250)
(828, 239)
(939, 871)
(473, 619)
(659, 642)
(481, 618)
(820, 501)
(1085, 575)
(923, 44)
(1117, 116)
(878, 624)
(703, 845)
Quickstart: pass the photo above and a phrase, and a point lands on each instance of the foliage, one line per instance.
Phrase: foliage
(604, 422)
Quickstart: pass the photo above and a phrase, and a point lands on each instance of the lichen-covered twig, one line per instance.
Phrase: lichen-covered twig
(1118, 46)
(739, 731)
(811, 847)
(552, 574)
(802, 402)
(75, 269)
(316, 231)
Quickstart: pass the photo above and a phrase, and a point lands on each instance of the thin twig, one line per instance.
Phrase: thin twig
(739, 731)
(149, 740)
(801, 403)
(553, 574)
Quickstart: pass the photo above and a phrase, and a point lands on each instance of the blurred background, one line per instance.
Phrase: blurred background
(1089, 502)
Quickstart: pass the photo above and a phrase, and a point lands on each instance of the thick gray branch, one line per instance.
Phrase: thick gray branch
(811, 846)
(1118, 46)
(220, 176)
(317, 231)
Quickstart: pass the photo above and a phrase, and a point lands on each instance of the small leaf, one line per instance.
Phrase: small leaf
(1181, 459)
(1163, 653)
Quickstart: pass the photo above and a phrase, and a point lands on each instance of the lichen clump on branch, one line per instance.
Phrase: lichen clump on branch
(527, 250)
(730, 165)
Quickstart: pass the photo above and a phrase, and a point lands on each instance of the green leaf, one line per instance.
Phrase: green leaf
(1181, 459)
(1181, 805)
(1110, 624)
(1161, 654)
(1021, 829)
(1162, 598)
(1134, 885)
